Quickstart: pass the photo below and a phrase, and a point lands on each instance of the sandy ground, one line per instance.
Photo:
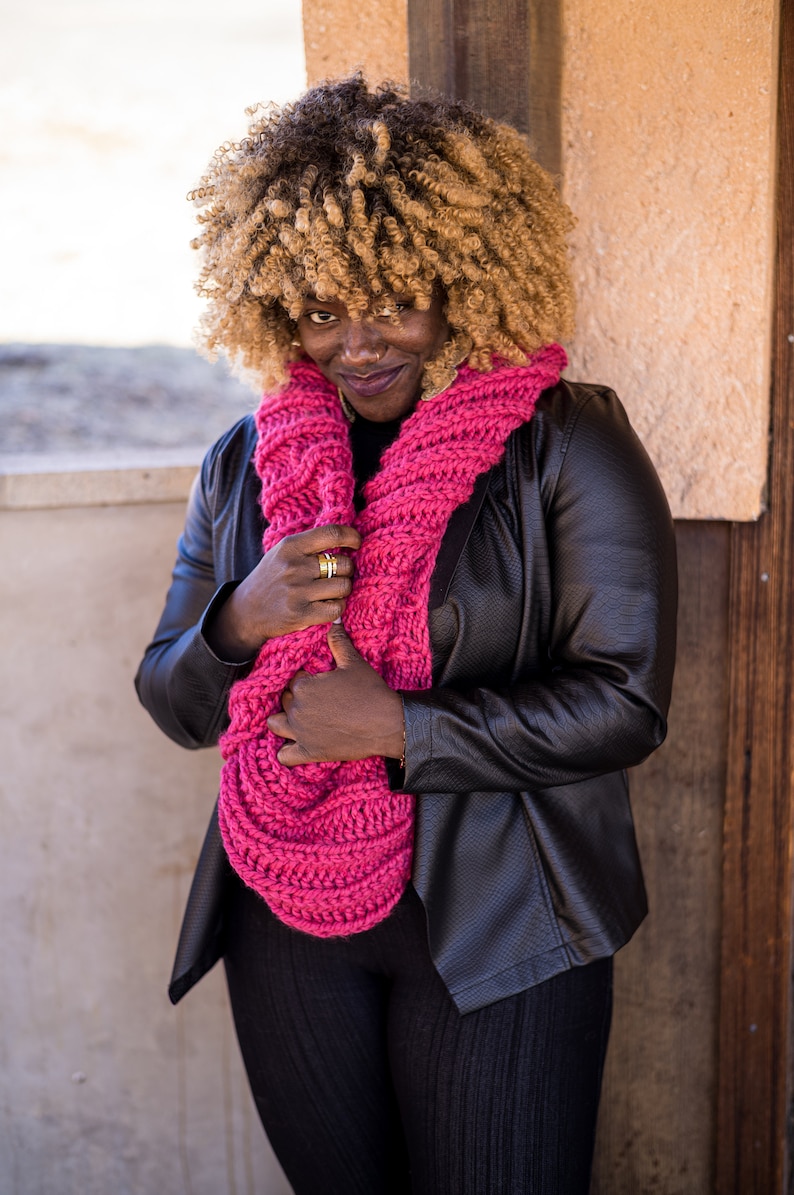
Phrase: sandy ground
(109, 111)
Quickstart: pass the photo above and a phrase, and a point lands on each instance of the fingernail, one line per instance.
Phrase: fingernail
(337, 621)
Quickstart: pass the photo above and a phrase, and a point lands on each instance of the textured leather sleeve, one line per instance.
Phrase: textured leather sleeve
(599, 703)
(180, 681)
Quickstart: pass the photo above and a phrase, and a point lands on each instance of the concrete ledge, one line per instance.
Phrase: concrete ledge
(103, 479)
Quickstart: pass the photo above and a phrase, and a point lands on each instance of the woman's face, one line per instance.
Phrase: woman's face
(375, 360)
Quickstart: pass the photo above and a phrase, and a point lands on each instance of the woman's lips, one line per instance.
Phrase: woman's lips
(370, 384)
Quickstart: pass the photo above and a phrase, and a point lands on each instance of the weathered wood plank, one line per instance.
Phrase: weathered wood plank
(545, 83)
(430, 63)
(503, 56)
(755, 1012)
(656, 1124)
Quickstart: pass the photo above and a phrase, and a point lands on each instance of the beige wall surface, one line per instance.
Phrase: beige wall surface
(668, 150)
(104, 1087)
(341, 36)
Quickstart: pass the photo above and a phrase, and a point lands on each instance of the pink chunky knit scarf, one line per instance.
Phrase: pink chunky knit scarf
(329, 845)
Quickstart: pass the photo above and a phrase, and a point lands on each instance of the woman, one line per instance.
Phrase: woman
(426, 599)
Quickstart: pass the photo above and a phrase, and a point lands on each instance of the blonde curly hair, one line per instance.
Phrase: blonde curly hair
(350, 194)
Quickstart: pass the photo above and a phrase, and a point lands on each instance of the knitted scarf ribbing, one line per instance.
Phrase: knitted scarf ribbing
(329, 845)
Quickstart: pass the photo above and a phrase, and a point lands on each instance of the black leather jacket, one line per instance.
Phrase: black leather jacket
(552, 626)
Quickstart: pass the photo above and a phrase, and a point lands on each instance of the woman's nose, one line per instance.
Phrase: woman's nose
(362, 344)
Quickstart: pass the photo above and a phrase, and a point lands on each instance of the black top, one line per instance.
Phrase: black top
(369, 441)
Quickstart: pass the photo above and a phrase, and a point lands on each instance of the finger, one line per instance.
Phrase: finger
(327, 539)
(341, 646)
(278, 724)
(323, 611)
(291, 755)
(331, 590)
(288, 696)
(299, 675)
(345, 566)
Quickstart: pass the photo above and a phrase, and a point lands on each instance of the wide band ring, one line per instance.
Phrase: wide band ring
(328, 565)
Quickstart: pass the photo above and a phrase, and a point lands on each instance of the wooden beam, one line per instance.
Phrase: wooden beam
(657, 1120)
(503, 56)
(755, 1000)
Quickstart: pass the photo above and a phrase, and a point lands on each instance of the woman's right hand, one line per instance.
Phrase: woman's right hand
(285, 593)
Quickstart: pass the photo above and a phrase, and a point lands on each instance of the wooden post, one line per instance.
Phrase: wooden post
(503, 56)
(755, 998)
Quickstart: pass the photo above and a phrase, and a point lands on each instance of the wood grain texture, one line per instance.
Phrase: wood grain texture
(503, 56)
(753, 1152)
(658, 1110)
(430, 61)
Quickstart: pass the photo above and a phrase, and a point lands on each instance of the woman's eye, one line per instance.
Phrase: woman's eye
(320, 317)
(392, 309)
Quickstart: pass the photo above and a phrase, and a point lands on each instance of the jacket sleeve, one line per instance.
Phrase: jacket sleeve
(180, 681)
(601, 703)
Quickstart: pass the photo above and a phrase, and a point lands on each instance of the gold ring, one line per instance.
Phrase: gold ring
(328, 565)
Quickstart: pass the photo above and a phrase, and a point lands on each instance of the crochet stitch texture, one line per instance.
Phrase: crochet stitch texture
(329, 845)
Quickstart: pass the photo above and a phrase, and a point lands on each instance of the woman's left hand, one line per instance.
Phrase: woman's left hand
(349, 713)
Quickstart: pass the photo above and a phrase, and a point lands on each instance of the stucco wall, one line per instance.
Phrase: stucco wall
(668, 163)
(341, 36)
(103, 1085)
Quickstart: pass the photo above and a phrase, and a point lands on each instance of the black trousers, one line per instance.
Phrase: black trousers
(368, 1081)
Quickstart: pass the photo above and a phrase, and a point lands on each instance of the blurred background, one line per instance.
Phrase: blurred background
(109, 113)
